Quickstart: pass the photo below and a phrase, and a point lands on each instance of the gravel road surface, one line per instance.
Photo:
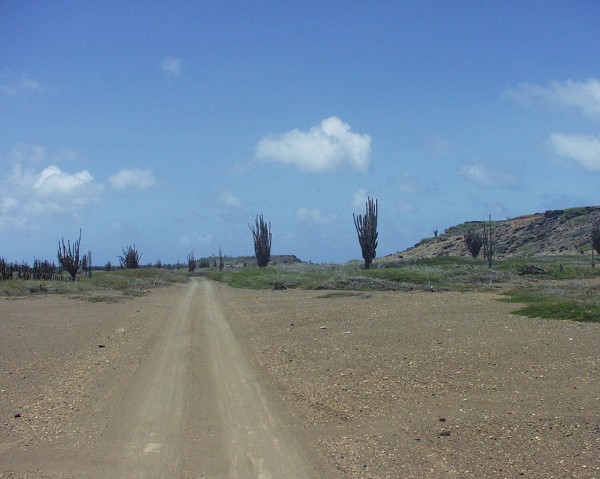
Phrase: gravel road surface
(201, 380)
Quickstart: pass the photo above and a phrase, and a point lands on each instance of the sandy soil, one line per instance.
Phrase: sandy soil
(201, 380)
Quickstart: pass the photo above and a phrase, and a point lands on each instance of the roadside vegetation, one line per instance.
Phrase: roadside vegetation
(108, 286)
(550, 287)
(557, 301)
(427, 274)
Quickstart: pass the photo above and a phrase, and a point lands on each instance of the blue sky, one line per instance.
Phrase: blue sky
(171, 125)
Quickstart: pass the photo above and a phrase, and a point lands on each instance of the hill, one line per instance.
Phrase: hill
(239, 261)
(554, 232)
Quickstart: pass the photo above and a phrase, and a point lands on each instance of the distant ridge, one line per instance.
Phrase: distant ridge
(554, 232)
(251, 260)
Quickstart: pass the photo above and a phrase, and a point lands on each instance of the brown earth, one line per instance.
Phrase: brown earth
(202, 380)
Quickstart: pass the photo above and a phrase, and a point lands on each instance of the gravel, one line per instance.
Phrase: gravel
(419, 384)
(388, 384)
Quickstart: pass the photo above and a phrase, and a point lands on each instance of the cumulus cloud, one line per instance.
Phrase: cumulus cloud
(229, 200)
(582, 95)
(314, 215)
(26, 194)
(487, 176)
(132, 178)
(20, 86)
(52, 181)
(173, 66)
(327, 147)
(582, 149)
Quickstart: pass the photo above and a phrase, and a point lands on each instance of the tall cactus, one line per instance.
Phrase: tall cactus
(489, 248)
(261, 234)
(68, 256)
(191, 261)
(366, 228)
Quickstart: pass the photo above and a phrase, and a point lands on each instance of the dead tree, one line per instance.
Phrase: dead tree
(366, 228)
(68, 256)
(474, 241)
(489, 248)
(261, 234)
(221, 261)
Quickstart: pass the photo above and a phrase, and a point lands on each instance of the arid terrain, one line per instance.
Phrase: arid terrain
(553, 232)
(202, 380)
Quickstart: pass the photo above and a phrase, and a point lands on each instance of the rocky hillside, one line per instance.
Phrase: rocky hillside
(555, 232)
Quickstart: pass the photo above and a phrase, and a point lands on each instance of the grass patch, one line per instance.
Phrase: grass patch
(443, 274)
(556, 303)
(103, 286)
(344, 294)
(555, 267)
(555, 295)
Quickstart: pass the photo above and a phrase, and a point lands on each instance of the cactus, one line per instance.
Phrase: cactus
(489, 248)
(191, 261)
(366, 228)
(131, 258)
(262, 241)
(68, 257)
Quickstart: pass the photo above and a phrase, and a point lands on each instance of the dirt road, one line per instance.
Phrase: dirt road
(193, 408)
(201, 380)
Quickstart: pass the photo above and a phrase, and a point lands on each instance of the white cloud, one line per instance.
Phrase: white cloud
(133, 178)
(330, 146)
(583, 149)
(173, 66)
(52, 181)
(584, 96)
(359, 199)
(487, 176)
(27, 194)
(315, 216)
(21, 86)
(229, 200)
